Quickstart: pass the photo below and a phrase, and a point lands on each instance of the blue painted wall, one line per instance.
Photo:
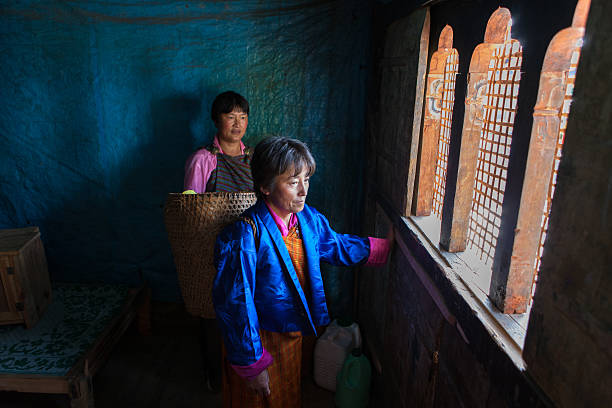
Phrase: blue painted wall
(102, 102)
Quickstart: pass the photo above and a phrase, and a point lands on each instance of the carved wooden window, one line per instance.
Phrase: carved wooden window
(475, 222)
(501, 95)
(545, 149)
(490, 108)
(490, 105)
(438, 118)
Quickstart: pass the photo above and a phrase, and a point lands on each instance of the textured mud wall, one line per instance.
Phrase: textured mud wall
(102, 103)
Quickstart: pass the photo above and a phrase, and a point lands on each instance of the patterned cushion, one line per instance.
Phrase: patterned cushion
(69, 327)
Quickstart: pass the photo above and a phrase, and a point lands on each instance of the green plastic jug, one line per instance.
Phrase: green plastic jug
(353, 382)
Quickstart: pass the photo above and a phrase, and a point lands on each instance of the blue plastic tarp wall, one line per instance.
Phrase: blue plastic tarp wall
(101, 103)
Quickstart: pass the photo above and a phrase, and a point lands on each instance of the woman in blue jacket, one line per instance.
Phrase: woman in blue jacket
(268, 290)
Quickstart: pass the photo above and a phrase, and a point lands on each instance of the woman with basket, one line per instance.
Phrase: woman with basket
(223, 166)
(268, 290)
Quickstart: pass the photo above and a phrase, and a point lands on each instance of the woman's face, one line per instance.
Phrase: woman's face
(288, 192)
(232, 126)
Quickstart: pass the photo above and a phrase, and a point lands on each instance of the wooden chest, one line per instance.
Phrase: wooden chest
(25, 292)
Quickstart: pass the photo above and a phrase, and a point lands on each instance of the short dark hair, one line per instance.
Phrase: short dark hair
(273, 156)
(226, 102)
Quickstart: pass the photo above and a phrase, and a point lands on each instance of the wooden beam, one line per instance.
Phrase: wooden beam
(454, 231)
(510, 288)
(431, 133)
(417, 115)
(34, 383)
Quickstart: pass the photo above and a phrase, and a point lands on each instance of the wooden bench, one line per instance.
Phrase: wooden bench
(74, 378)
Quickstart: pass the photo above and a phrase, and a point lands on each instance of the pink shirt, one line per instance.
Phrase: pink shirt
(284, 230)
(200, 165)
(379, 251)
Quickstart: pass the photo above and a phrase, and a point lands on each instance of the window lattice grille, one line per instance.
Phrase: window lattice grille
(494, 149)
(446, 118)
(563, 115)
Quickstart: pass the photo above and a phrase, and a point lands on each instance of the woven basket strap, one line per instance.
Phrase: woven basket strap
(211, 148)
(250, 221)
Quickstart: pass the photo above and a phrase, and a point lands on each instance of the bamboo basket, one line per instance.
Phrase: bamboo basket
(193, 222)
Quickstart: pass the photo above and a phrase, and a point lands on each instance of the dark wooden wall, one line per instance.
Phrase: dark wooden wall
(569, 341)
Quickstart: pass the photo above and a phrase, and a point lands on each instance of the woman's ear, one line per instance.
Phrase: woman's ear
(265, 191)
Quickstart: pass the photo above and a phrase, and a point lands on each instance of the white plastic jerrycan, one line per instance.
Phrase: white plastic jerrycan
(331, 350)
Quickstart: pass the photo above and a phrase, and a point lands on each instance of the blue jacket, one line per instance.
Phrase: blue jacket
(256, 286)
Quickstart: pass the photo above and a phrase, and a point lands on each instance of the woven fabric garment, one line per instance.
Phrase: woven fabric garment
(285, 348)
(233, 173)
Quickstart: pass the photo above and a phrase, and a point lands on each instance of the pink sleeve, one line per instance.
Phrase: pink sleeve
(198, 168)
(253, 370)
(379, 251)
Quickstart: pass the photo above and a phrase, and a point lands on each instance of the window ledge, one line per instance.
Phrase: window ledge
(508, 331)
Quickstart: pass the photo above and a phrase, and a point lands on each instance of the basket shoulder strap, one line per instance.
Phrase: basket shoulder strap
(251, 222)
(211, 148)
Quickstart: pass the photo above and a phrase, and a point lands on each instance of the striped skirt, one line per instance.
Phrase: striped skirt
(285, 348)
(284, 373)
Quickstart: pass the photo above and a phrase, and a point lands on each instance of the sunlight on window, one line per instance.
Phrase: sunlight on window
(446, 119)
(494, 149)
